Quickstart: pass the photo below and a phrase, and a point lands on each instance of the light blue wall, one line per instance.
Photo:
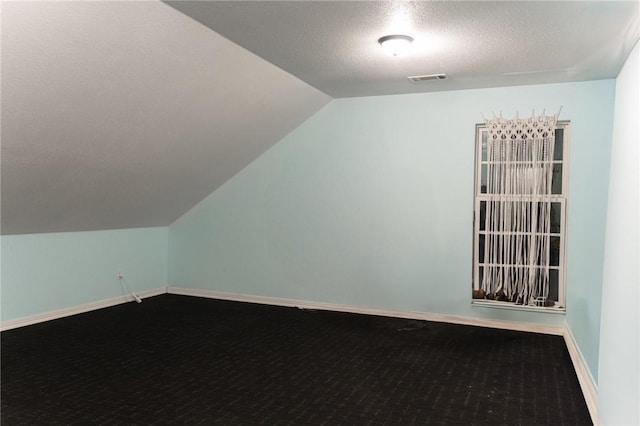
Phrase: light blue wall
(369, 203)
(619, 374)
(591, 128)
(45, 272)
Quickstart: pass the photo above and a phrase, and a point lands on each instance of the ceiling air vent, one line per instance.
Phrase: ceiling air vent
(417, 78)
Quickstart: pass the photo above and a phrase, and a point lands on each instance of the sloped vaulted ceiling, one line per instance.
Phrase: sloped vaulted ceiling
(126, 114)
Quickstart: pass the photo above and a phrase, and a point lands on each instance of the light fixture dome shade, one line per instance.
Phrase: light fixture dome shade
(395, 44)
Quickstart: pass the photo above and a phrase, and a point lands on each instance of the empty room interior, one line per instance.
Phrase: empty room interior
(320, 212)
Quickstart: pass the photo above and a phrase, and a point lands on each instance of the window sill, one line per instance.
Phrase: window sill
(510, 306)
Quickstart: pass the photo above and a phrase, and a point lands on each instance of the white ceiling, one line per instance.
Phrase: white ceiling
(127, 114)
(332, 45)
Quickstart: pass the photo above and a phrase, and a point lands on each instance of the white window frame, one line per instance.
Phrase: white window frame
(562, 198)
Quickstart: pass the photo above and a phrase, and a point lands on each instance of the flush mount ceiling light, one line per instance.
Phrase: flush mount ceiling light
(395, 44)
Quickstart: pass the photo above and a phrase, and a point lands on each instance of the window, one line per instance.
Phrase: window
(520, 213)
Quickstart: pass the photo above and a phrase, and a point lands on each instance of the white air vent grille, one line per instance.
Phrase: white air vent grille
(417, 78)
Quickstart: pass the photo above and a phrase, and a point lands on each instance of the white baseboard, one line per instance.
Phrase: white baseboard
(585, 379)
(587, 383)
(584, 376)
(79, 309)
(305, 304)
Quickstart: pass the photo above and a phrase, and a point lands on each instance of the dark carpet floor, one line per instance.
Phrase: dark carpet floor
(186, 360)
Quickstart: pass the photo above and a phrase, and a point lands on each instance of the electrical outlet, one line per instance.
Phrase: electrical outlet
(120, 276)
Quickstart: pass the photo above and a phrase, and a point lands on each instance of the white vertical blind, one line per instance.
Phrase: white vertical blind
(518, 208)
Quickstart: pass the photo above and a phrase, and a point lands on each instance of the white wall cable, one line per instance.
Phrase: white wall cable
(125, 288)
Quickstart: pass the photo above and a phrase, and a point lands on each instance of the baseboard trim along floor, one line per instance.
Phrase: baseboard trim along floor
(587, 383)
(304, 304)
(78, 309)
(585, 379)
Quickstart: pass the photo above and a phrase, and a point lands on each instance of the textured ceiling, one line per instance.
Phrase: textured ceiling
(127, 114)
(332, 45)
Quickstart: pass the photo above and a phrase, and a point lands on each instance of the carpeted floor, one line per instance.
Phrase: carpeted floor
(186, 360)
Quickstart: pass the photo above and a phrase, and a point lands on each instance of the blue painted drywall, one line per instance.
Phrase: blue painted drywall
(369, 203)
(619, 373)
(46, 272)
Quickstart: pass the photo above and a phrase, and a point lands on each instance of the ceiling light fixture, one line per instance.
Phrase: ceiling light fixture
(395, 44)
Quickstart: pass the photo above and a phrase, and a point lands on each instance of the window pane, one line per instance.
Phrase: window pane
(556, 182)
(484, 146)
(483, 215)
(554, 255)
(480, 248)
(541, 208)
(520, 214)
(525, 179)
(558, 147)
(554, 225)
(554, 284)
(556, 217)
(496, 173)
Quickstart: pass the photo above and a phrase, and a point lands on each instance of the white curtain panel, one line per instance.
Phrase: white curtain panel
(517, 220)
